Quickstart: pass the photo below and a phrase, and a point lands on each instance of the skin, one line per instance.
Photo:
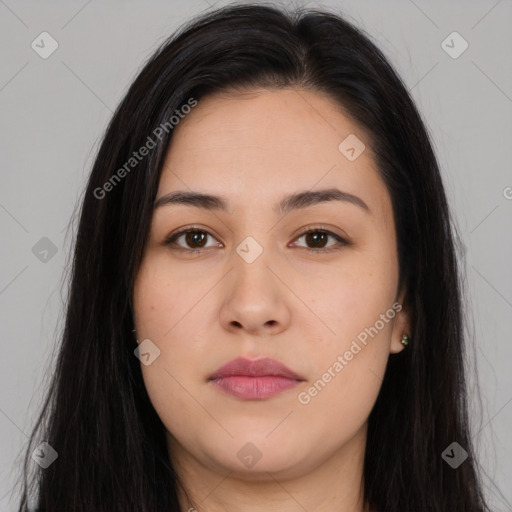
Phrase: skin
(203, 309)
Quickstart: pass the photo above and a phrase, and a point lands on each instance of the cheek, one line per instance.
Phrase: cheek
(350, 357)
(164, 302)
(351, 299)
(165, 294)
(348, 371)
(154, 312)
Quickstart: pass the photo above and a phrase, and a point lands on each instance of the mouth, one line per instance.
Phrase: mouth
(254, 379)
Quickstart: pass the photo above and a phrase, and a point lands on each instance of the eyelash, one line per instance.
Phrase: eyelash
(318, 229)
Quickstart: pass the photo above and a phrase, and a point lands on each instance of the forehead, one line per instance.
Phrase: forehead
(267, 143)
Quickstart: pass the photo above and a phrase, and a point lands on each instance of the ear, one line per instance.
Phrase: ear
(401, 325)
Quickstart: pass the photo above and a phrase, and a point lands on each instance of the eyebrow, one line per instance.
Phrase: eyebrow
(292, 202)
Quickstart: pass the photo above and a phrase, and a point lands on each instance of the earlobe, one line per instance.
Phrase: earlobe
(400, 336)
(399, 344)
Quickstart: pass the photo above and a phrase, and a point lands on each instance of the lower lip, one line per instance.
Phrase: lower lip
(255, 388)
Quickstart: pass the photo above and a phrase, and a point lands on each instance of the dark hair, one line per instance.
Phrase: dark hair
(97, 414)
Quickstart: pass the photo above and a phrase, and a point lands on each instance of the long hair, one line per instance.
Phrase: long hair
(112, 453)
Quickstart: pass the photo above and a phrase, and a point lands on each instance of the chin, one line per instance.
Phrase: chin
(255, 459)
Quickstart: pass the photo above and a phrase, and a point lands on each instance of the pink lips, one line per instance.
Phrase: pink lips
(254, 380)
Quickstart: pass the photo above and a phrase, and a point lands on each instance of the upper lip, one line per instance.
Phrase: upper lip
(242, 366)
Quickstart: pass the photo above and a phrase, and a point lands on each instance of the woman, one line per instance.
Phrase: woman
(265, 307)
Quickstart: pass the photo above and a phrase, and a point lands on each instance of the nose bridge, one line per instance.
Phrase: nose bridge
(251, 260)
(255, 234)
(254, 300)
(251, 250)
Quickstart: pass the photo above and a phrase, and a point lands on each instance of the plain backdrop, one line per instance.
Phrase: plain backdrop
(53, 113)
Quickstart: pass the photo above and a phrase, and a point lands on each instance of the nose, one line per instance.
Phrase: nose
(256, 298)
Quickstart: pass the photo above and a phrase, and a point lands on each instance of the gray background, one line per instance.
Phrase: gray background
(54, 112)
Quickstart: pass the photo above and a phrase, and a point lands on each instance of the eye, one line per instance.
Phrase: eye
(318, 238)
(195, 239)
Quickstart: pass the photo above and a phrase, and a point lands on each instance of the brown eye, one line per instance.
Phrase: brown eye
(316, 240)
(194, 239)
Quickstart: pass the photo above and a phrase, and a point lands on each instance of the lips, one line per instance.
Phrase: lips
(255, 379)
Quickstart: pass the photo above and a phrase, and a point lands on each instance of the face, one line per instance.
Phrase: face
(309, 283)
